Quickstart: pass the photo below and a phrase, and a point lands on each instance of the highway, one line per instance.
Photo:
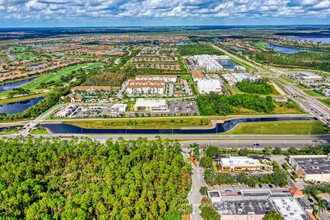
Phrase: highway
(308, 103)
(221, 141)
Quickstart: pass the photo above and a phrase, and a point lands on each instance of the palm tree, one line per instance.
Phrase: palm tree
(321, 205)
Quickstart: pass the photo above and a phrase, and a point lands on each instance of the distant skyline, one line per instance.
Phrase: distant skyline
(62, 13)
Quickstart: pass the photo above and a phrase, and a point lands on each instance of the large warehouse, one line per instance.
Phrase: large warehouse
(314, 168)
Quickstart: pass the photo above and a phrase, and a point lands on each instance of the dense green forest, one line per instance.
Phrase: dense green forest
(84, 179)
(314, 60)
(196, 49)
(259, 86)
(214, 104)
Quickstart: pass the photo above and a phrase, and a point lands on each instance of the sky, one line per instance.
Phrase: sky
(49, 13)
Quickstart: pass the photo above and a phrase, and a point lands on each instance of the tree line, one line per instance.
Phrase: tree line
(84, 179)
(215, 104)
(259, 86)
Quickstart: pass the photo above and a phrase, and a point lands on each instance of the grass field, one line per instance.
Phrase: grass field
(291, 127)
(313, 93)
(260, 44)
(56, 76)
(325, 101)
(21, 98)
(39, 130)
(11, 130)
(279, 109)
(145, 122)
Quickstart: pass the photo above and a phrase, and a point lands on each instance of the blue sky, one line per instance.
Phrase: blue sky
(27, 13)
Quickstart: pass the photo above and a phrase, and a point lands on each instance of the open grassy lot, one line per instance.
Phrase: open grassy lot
(39, 130)
(56, 76)
(313, 93)
(280, 108)
(11, 130)
(325, 101)
(290, 127)
(21, 98)
(145, 122)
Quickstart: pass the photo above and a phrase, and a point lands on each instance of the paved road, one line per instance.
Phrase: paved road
(194, 196)
(38, 120)
(308, 103)
(222, 141)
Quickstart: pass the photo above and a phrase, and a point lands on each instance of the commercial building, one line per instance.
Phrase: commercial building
(314, 168)
(239, 164)
(290, 209)
(206, 86)
(166, 78)
(197, 75)
(151, 105)
(308, 76)
(151, 87)
(242, 76)
(253, 204)
(208, 62)
(118, 108)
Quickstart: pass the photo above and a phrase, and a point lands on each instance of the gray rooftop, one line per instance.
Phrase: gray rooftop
(244, 207)
(314, 165)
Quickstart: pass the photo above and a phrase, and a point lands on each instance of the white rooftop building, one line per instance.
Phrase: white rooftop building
(118, 108)
(239, 163)
(242, 76)
(289, 209)
(206, 86)
(308, 76)
(208, 63)
(151, 105)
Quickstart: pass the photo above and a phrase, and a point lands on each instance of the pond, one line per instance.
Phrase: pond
(219, 128)
(18, 107)
(227, 64)
(286, 49)
(13, 85)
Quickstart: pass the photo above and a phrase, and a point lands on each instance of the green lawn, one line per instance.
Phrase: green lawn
(56, 76)
(289, 127)
(19, 50)
(145, 122)
(313, 93)
(20, 98)
(260, 44)
(325, 101)
(11, 130)
(39, 130)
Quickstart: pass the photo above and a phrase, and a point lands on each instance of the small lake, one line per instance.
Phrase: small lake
(18, 107)
(325, 40)
(287, 50)
(227, 64)
(226, 126)
(9, 86)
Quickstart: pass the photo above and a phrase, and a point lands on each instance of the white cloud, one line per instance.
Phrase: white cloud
(70, 9)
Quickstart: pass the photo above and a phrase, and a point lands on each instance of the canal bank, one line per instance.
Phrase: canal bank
(217, 128)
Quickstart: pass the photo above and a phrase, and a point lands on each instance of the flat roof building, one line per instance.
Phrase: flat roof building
(242, 76)
(308, 76)
(253, 204)
(315, 168)
(197, 75)
(206, 86)
(151, 87)
(238, 164)
(290, 209)
(151, 105)
(166, 78)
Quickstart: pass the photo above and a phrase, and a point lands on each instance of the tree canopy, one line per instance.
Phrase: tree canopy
(84, 179)
(215, 104)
